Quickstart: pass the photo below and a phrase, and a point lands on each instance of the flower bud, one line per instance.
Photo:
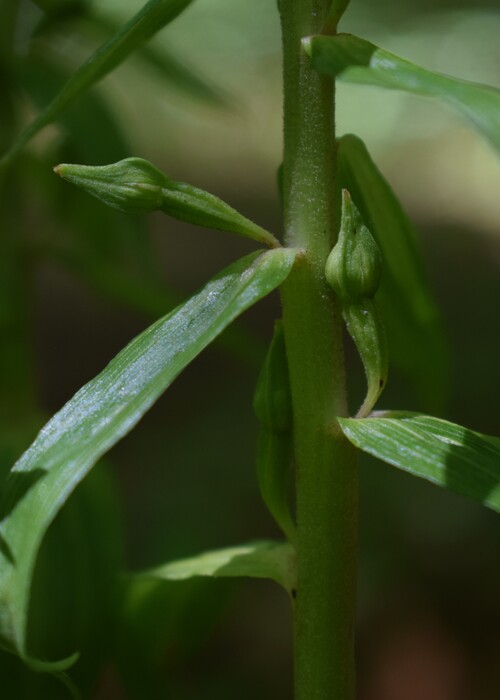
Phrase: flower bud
(354, 266)
(136, 187)
(354, 269)
(132, 185)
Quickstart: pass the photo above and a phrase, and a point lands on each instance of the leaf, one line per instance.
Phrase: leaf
(101, 413)
(184, 78)
(152, 298)
(356, 60)
(335, 13)
(446, 454)
(134, 34)
(405, 297)
(156, 616)
(267, 559)
(75, 579)
(169, 67)
(273, 407)
(42, 79)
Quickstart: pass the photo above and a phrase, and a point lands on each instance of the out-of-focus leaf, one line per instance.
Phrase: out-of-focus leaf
(170, 68)
(415, 337)
(100, 414)
(157, 617)
(337, 9)
(101, 143)
(135, 33)
(74, 602)
(356, 60)
(446, 454)
(182, 77)
(267, 559)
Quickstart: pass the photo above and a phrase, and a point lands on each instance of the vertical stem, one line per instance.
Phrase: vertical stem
(326, 485)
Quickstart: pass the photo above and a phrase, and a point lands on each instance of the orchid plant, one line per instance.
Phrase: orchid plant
(348, 258)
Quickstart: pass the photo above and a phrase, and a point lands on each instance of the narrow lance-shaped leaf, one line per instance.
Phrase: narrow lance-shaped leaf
(356, 60)
(273, 407)
(135, 186)
(100, 414)
(266, 559)
(405, 298)
(172, 69)
(154, 16)
(446, 454)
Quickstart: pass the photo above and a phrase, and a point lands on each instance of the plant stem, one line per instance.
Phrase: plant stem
(326, 482)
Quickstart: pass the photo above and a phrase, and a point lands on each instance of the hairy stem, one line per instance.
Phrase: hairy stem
(326, 485)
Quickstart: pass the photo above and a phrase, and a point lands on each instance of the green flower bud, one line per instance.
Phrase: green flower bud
(132, 185)
(354, 266)
(353, 269)
(136, 187)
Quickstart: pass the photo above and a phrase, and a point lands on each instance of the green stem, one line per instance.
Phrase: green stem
(326, 485)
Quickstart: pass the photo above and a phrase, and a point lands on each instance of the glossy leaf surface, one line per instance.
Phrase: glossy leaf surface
(273, 560)
(134, 34)
(446, 454)
(356, 60)
(101, 413)
(405, 297)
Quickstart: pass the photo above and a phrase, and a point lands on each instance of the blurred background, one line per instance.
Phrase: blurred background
(78, 281)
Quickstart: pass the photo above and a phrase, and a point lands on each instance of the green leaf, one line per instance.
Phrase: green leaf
(100, 414)
(168, 66)
(184, 78)
(267, 559)
(42, 78)
(135, 186)
(356, 60)
(273, 406)
(134, 34)
(446, 454)
(335, 13)
(405, 297)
